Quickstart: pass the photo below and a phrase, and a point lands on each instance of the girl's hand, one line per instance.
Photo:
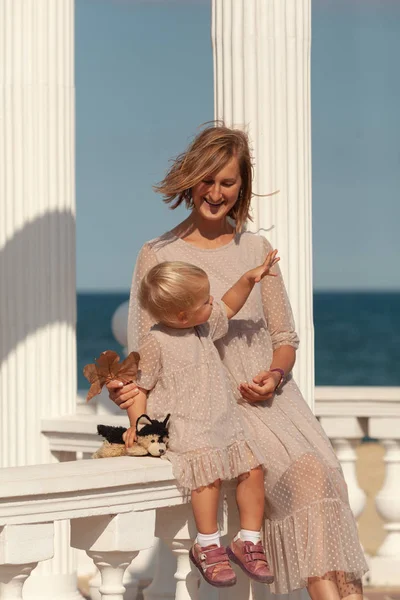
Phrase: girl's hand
(129, 437)
(260, 272)
(122, 395)
(262, 388)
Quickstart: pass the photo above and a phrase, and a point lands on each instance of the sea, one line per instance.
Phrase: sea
(357, 335)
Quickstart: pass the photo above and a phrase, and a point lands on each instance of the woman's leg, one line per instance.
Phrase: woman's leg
(333, 586)
(205, 502)
(250, 498)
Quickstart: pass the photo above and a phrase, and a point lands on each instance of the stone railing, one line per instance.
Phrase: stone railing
(117, 509)
(114, 512)
(348, 414)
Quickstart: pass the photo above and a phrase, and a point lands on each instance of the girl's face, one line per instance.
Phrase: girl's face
(202, 311)
(199, 314)
(216, 194)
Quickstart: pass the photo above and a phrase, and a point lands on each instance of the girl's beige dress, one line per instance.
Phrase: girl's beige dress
(309, 527)
(183, 373)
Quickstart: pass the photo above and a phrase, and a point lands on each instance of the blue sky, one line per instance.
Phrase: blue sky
(143, 86)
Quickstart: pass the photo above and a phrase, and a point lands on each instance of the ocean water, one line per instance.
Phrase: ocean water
(357, 335)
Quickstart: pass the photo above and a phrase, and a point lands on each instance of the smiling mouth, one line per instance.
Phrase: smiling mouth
(213, 203)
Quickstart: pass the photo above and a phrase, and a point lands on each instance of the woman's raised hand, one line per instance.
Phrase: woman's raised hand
(122, 395)
(265, 269)
(263, 387)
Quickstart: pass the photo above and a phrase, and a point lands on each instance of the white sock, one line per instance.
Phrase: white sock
(246, 535)
(206, 539)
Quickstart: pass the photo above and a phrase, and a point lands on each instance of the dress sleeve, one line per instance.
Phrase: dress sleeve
(218, 321)
(149, 363)
(277, 309)
(139, 321)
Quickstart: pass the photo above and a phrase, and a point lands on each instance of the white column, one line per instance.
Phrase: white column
(262, 84)
(37, 245)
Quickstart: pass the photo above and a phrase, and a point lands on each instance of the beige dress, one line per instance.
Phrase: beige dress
(181, 368)
(309, 528)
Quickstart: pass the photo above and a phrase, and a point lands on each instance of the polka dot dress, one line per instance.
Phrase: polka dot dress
(309, 529)
(181, 368)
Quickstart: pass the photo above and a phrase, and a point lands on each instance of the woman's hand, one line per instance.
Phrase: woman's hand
(129, 437)
(263, 387)
(122, 395)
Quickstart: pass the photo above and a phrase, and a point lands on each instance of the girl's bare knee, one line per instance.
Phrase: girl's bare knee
(253, 474)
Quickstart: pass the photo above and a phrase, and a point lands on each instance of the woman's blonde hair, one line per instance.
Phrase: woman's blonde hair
(209, 152)
(171, 287)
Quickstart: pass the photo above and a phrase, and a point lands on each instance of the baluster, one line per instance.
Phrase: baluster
(175, 525)
(345, 433)
(112, 566)
(113, 541)
(22, 547)
(12, 579)
(163, 586)
(345, 451)
(385, 566)
(129, 581)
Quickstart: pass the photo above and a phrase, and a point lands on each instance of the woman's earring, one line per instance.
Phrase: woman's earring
(240, 194)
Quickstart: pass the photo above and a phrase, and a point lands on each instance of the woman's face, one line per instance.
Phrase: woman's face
(216, 194)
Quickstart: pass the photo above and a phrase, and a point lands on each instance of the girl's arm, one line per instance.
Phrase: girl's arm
(236, 296)
(137, 409)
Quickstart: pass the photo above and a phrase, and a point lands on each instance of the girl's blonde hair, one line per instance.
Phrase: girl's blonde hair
(171, 287)
(209, 152)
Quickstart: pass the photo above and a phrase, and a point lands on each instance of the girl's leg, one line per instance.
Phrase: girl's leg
(333, 586)
(205, 507)
(246, 549)
(250, 498)
(206, 553)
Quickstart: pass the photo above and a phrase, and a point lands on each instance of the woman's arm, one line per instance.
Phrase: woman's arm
(283, 358)
(265, 383)
(139, 320)
(277, 309)
(280, 323)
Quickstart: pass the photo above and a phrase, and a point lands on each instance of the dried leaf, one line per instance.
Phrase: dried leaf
(128, 368)
(108, 367)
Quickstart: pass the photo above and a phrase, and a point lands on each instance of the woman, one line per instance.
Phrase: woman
(310, 533)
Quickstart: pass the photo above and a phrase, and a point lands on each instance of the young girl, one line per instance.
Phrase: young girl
(181, 373)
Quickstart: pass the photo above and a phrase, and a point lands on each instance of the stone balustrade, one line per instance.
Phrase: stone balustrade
(117, 509)
(111, 508)
(347, 414)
